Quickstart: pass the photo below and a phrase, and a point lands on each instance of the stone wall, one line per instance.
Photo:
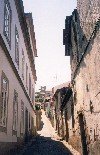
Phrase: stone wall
(87, 87)
(85, 67)
(89, 12)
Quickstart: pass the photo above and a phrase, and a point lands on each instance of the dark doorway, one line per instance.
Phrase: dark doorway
(72, 113)
(83, 135)
(26, 125)
(66, 123)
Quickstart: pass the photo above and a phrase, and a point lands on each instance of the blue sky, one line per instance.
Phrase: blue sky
(52, 66)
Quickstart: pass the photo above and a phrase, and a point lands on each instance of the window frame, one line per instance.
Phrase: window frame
(22, 122)
(15, 111)
(7, 24)
(29, 121)
(3, 128)
(33, 94)
(30, 91)
(16, 46)
(26, 76)
(23, 64)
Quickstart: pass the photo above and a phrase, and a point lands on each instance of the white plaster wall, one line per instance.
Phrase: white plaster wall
(15, 21)
(13, 84)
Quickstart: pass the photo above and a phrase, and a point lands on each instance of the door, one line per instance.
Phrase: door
(66, 123)
(83, 135)
(26, 124)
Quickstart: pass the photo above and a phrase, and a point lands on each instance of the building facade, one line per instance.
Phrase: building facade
(63, 110)
(82, 44)
(17, 74)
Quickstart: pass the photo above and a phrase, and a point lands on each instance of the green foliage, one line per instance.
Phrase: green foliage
(38, 97)
(40, 100)
(37, 107)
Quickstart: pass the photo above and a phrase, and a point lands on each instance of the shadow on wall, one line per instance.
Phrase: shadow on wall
(38, 119)
(79, 42)
(41, 126)
(75, 142)
(95, 148)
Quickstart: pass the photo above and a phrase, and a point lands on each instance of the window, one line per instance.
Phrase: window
(22, 117)
(29, 85)
(16, 46)
(15, 112)
(33, 95)
(23, 63)
(7, 21)
(29, 122)
(4, 101)
(26, 76)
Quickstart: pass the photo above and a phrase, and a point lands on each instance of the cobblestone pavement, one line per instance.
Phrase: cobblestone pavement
(45, 146)
(47, 142)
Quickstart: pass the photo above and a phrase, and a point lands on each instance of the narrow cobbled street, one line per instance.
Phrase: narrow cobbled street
(46, 142)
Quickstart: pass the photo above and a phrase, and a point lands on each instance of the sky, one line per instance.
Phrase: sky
(52, 66)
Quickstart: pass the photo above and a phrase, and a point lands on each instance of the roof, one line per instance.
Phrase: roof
(66, 84)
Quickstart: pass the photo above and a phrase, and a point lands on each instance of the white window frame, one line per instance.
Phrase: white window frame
(16, 46)
(7, 21)
(4, 100)
(23, 64)
(22, 118)
(15, 111)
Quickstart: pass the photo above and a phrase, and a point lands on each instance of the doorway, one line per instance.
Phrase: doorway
(26, 125)
(83, 134)
(66, 124)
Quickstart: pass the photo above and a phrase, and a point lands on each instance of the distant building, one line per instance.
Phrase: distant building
(47, 103)
(17, 74)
